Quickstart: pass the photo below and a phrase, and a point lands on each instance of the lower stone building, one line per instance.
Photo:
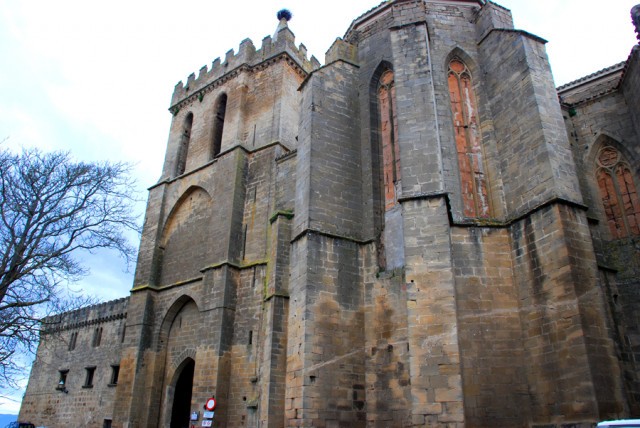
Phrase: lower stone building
(423, 231)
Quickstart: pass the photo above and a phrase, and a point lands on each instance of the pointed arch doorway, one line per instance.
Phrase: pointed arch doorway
(181, 407)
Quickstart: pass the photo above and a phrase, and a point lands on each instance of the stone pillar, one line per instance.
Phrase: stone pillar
(129, 408)
(325, 364)
(434, 354)
(570, 361)
(276, 312)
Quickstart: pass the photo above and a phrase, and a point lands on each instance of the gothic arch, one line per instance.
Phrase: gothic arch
(465, 116)
(183, 144)
(459, 53)
(177, 402)
(386, 167)
(188, 226)
(170, 316)
(173, 214)
(376, 144)
(606, 137)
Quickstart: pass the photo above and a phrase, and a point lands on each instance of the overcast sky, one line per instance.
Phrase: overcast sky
(96, 78)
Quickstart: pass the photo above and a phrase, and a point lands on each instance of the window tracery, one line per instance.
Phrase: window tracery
(474, 188)
(618, 193)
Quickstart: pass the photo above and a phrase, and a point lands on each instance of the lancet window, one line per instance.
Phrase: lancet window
(183, 147)
(388, 135)
(218, 125)
(618, 193)
(475, 191)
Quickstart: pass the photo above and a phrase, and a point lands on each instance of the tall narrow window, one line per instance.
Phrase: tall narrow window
(88, 380)
(218, 125)
(389, 134)
(183, 147)
(618, 193)
(97, 337)
(115, 373)
(388, 172)
(475, 193)
(72, 340)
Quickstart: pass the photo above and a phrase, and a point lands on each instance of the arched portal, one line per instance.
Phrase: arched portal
(181, 408)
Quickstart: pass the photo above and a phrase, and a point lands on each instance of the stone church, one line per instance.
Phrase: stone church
(423, 231)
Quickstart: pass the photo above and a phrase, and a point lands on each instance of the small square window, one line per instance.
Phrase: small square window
(88, 380)
(62, 380)
(115, 373)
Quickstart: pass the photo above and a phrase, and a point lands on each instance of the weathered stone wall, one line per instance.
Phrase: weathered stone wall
(490, 331)
(434, 358)
(563, 315)
(75, 403)
(387, 390)
(328, 164)
(596, 118)
(325, 346)
(602, 110)
(535, 160)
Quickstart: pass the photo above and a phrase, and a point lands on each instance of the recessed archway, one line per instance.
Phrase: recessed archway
(181, 407)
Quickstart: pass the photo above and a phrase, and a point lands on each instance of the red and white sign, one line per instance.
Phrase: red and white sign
(211, 404)
(207, 423)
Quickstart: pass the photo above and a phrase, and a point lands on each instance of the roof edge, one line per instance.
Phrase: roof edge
(388, 3)
(593, 76)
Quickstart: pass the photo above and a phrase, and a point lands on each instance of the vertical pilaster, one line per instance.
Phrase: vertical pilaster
(275, 311)
(434, 358)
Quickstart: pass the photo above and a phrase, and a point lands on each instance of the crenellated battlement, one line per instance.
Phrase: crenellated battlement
(89, 315)
(281, 44)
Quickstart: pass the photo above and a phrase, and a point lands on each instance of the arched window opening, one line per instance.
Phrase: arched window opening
(388, 127)
(387, 171)
(218, 125)
(618, 193)
(183, 147)
(475, 192)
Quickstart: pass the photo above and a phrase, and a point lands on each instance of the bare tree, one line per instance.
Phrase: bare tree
(52, 209)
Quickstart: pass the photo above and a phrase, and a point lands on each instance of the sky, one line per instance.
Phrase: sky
(96, 78)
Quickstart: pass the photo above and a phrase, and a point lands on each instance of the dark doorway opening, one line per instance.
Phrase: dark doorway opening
(181, 409)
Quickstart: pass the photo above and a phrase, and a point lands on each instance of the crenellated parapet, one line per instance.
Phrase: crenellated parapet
(90, 315)
(279, 47)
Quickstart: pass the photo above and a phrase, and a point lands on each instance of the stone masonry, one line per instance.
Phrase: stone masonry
(423, 231)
